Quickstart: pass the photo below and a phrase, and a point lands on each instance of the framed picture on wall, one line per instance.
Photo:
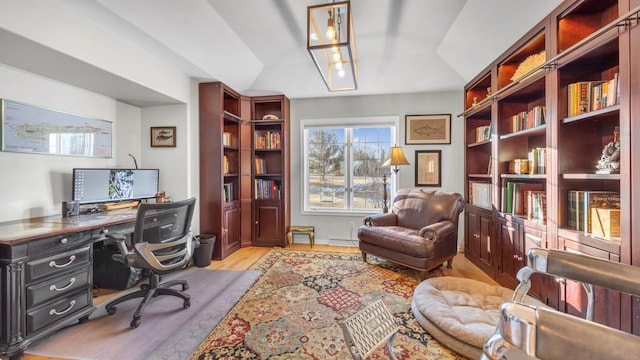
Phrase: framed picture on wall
(428, 169)
(428, 129)
(163, 136)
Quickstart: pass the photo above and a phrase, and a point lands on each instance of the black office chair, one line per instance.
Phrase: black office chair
(162, 242)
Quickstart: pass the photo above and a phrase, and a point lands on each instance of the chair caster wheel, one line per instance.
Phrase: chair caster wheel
(111, 310)
(186, 304)
(135, 323)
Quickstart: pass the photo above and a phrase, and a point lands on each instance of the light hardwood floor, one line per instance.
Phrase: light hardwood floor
(244, 258)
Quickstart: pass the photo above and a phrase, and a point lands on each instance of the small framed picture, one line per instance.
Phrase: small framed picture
(428, 129)
(163, 136)
(428, 168)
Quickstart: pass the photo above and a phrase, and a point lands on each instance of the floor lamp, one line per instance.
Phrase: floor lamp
(396, 158)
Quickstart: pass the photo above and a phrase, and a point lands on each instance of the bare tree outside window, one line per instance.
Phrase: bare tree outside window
(345, 167)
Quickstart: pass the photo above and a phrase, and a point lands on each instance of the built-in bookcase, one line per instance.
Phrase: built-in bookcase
(244, 168)
(220, 162)
(552, 104)
(270, 213)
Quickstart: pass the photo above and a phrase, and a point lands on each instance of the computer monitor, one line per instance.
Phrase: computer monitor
(114, 185)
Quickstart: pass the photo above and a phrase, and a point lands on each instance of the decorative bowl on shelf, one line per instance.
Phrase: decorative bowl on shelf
(270, 117)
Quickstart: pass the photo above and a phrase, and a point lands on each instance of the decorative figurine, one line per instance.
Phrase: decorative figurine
(609, 162)
(475, 101)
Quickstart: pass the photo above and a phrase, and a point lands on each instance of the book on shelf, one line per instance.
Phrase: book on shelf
(516, 201)
(225, 164)
(536, 209)
(226, 138)
(260, 166)
(580, 203)
(480, 194)
(586, 96)
(605, 223)
(263, 139)
(537, 157)
(228, 191)
(528, 119)
(266, 189)
(483, 133)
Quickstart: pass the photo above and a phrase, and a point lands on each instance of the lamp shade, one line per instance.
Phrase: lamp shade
(397, 157)
(331, 44)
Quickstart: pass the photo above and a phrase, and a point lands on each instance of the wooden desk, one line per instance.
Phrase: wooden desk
(46, 273)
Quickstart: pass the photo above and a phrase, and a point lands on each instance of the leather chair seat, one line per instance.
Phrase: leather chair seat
(399, 239)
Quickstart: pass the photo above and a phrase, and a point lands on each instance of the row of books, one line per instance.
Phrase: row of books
(483, 133)
(585, 96)
(537, 160)
(228, 192)
(480, 194)
(528, 119)
(524, 199)
(266, 189)
(583, 205)
(260, 166)
(266, 140)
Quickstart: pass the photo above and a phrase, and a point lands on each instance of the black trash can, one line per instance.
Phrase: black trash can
(203, 253)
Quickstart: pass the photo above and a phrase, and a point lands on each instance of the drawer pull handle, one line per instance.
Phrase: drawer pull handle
(55, 312)
(71, 259)
(64, 241)
(55, 288)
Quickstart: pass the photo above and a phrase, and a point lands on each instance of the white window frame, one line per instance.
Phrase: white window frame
(374, 121)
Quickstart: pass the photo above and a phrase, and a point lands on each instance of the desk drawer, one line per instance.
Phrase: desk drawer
(57, 264)
(68, 283)
(58, 310)
(58, 243)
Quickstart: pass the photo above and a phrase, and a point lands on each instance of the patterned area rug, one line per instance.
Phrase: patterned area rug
(293, 310)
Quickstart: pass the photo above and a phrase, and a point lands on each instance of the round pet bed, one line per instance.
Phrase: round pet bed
(460, 313)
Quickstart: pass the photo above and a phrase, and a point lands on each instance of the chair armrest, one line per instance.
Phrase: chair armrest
(550, 334)
(122, 246)
(438, 230)
(579, 267)
(388, 219)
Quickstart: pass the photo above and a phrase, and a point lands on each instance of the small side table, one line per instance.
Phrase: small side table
(301, 229)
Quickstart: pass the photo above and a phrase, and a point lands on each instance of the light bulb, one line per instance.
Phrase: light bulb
(341, 72)
(337, 56)
(339, 65)
(331, 33)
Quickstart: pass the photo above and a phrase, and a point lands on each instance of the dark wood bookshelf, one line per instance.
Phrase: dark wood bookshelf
(583, 41)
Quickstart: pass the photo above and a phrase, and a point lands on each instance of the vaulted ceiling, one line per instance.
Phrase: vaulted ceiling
(259, 46)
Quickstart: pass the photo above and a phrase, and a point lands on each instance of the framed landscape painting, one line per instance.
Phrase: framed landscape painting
(428, 129)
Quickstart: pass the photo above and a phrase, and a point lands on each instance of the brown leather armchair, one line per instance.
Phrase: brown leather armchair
(420, 232)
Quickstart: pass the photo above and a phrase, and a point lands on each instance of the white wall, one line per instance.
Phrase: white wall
(332, 228)
(36, 184)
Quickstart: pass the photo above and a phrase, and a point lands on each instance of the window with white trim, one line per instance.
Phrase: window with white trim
(343, 161)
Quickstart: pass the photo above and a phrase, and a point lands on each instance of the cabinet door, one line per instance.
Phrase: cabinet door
(511, 256)
(574, 299)
(472, 240)
(268, 229)
(485, 261)
(231, 229)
